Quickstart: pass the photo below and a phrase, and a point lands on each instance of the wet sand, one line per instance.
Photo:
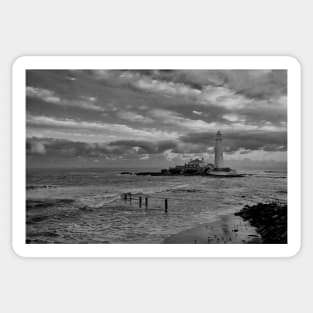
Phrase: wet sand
(229, 229)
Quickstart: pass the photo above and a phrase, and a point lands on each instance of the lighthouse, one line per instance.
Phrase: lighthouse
(219, 163)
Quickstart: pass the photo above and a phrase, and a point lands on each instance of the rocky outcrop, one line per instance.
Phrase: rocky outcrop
(269, 219)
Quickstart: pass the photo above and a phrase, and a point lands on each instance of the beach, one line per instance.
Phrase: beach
(261, 223)
(228, 229)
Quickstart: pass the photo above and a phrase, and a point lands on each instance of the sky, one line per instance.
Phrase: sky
(155, 118)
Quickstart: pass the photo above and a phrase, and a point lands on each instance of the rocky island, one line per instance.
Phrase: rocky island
(199, 166)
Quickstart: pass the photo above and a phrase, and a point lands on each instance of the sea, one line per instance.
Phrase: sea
(86, 205)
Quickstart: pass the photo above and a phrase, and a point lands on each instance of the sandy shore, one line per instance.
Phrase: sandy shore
(227, 229)
(260, 223)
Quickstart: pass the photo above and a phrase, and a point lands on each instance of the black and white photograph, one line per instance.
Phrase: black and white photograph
(156, 156)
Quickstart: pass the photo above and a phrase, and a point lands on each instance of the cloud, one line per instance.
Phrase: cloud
(232, 117)
(134, 117)
(197, 112)
(144, 157)
(257, 146)
(49, 96)
(175, 119)
(258, 84)
(171, 88)
(107, 131)
(256, 96)
(43, 94)
(189, 145)
(227, 122)
(149, 81)
(145, 113)
(65, 148)
(145, 147)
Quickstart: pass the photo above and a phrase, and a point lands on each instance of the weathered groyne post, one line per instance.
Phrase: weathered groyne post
(140, 201)
(146, 202)
(165, 205)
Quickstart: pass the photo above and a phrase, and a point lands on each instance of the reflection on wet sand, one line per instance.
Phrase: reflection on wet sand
(226, 229)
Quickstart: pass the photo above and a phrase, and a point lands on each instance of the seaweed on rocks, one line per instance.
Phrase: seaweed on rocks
(269, 219)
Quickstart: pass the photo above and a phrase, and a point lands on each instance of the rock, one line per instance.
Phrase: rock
(269, 219)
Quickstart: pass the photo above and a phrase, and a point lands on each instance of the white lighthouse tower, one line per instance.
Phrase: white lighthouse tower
(219, 162)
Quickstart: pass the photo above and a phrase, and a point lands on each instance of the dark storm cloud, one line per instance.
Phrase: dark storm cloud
(248, 140)
(65, 148)
(190, 143)
(259, 84)
(255, 95)
(86, 96)
(145, 146)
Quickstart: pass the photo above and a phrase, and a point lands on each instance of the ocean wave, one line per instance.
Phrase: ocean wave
(183, 190)
(31, 187)
(35, 219)
(46, 203)
(50, 234)
(94, 202)
(155, 190)
(54, 215)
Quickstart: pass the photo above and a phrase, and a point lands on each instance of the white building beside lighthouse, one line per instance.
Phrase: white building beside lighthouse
(218, 158)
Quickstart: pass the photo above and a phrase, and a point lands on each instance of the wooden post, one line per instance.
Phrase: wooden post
(125, 196)
(140, 200)
(146, 202)
(165, 205)
(130, 197)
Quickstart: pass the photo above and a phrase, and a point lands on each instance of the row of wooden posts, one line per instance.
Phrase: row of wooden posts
(129, 197)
